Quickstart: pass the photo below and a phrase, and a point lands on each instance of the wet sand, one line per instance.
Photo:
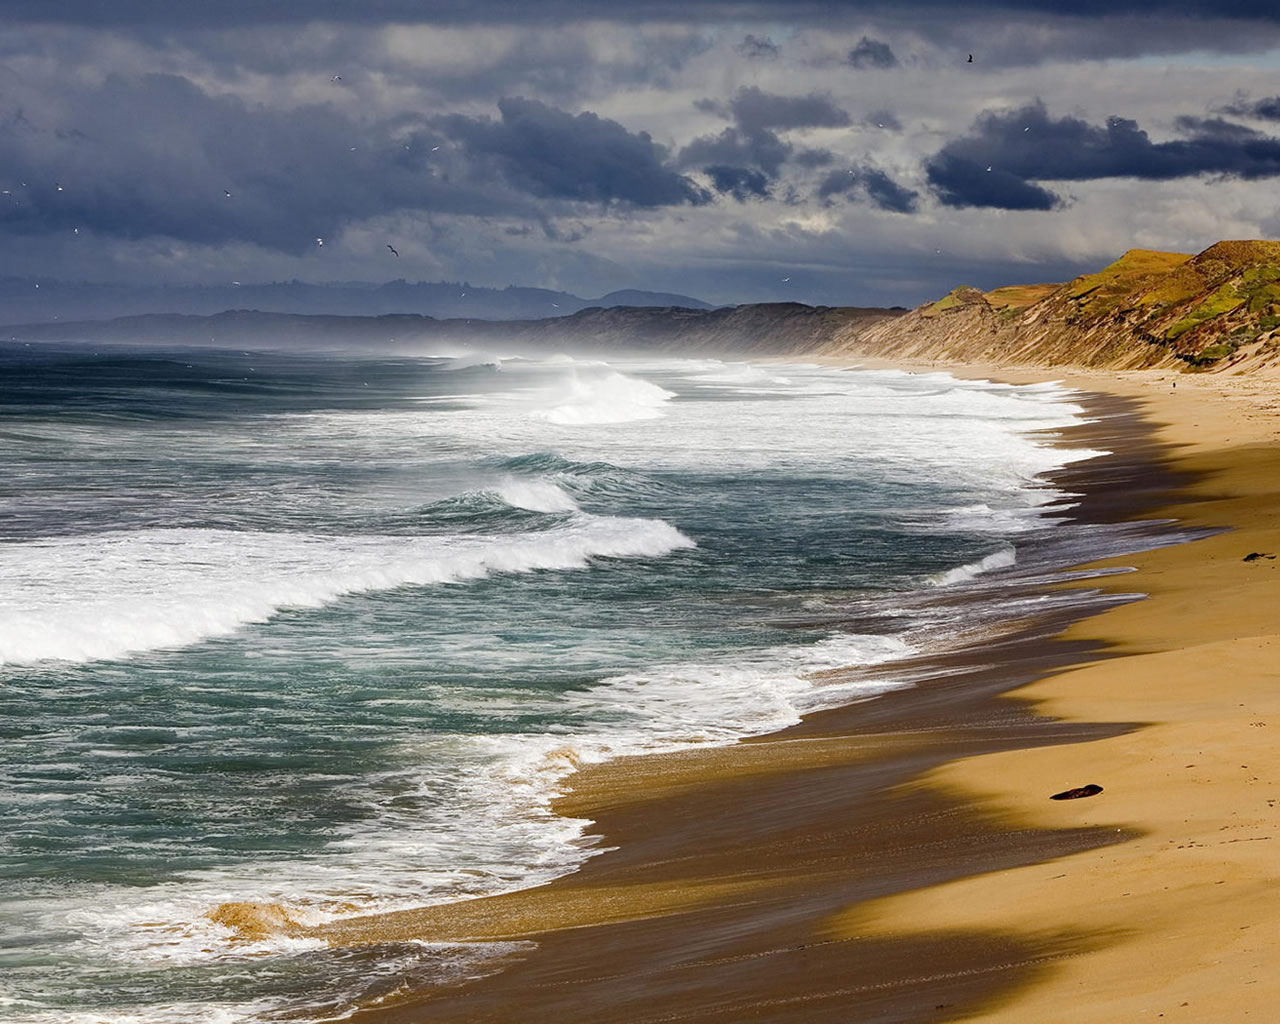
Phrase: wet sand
(899, 859)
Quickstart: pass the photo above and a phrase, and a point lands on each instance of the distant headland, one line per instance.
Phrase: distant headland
(1217, 309)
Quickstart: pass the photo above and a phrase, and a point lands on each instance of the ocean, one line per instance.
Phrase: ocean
(331, 631)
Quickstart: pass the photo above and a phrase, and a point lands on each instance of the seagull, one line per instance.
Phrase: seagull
(434, 148)
(59, 186)
(319, 241)
(1027, 128)
(236, 283)
(785, 280)
(338, 78)
(226, 193)
(75, 231)
(393, 250)
(988, 167)
(970, 60)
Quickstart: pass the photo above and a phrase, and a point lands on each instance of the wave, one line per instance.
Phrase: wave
(535, 495)
(111, 595)
(1001, 559)
(588, 396)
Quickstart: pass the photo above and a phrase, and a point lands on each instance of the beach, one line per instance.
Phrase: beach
(899, 859)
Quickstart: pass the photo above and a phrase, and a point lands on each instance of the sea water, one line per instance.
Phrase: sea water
(331, 631)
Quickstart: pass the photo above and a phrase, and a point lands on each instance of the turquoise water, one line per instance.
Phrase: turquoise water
(331, 631)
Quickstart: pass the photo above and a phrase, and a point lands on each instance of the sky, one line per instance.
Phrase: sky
(823, 151)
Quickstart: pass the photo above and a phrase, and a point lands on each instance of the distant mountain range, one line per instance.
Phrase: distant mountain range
(761, 328)
(42, 300)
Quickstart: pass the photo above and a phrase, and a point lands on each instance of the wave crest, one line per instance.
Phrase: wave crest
(110, 595)
(1001, 559)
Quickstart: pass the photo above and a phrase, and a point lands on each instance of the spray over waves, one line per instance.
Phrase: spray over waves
(590, 395)
(111, 595)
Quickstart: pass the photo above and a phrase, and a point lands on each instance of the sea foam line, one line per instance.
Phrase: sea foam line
(114, 594)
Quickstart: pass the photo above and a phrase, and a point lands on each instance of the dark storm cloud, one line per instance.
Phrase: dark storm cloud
(734, 147)
(740, 182)
(153, 155)
(878, 187)
(754, 109)
(960, 182)
(871, 53)
(228, 13)
(1024, 146)
(752, 142)
(1267, 109)
(812, 158)
(551, 154)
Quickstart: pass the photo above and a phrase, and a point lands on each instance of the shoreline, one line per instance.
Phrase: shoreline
(775, 878)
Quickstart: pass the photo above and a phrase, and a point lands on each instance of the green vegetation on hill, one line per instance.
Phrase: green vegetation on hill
(1215, 309)
(1109, 288)
(1204, 308)
(954, 299)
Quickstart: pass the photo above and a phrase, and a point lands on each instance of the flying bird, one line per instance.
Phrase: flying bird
(226, 193)
(393, 250)
(970, 60)
(59, 186)
(785, 280)
(338, 78)
(319, 241)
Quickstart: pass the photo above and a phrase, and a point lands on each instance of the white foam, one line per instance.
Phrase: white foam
(590, 395)
(109, 595)
(490, 827)
(535, 495)
(1001, 559)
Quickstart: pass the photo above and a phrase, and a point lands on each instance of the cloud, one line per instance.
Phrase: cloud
(1026, 145)
(754, 109)
(226, 13)
(757, 46)
(1267, 109)
(549, 153)
(750, 152)
(154, 156)
(734, 147)
(883, 191)
(883, 119)
(812, 158)
(740, 182)
(959, 182)
(871, 53)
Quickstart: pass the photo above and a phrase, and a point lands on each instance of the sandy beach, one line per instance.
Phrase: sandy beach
(899, 860)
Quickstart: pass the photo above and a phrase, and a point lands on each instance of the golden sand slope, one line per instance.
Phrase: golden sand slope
(1190, 910)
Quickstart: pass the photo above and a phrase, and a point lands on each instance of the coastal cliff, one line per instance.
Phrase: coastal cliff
(1215, 310)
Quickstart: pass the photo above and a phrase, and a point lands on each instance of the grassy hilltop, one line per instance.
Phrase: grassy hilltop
(1219, 308)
